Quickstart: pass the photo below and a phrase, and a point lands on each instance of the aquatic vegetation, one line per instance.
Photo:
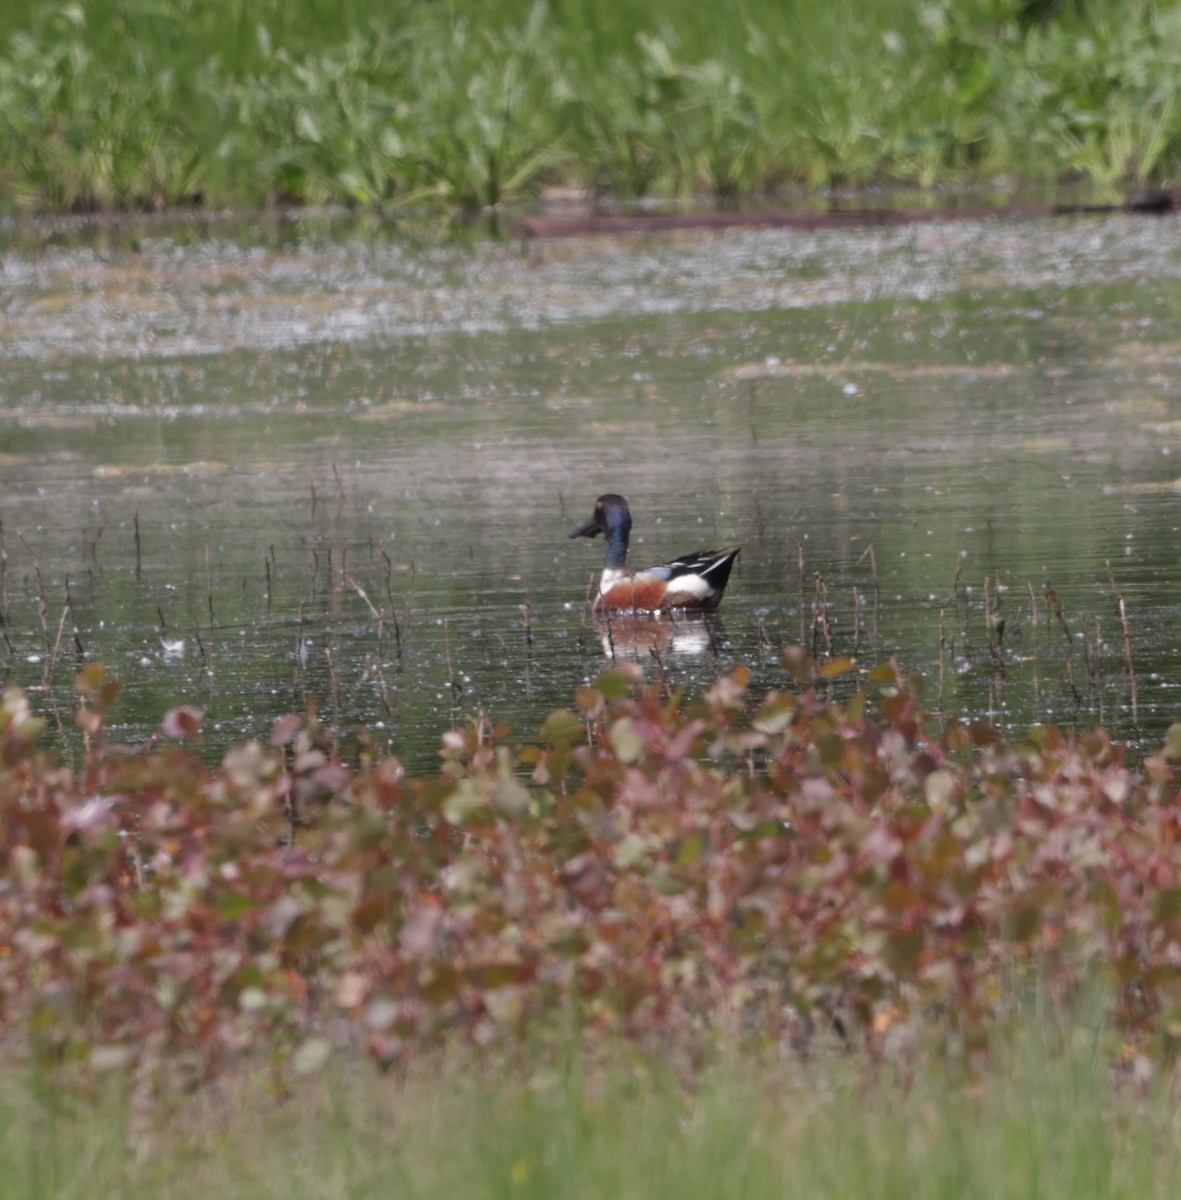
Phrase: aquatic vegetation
(787, 870)
(124, 106)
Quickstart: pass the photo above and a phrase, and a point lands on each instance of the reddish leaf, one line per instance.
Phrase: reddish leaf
(181, 722)
(285, 729)
(421, 931)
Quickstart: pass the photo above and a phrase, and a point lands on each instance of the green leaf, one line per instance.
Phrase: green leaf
(1173, 741)
(562, 725)
(939, 788)
(463, 802)
(90, 679)
(1168, 904)
(691, 849)
(613, 685)
(498, 975)
(626, 743)
(837, 668)
(512, 798)
(902, 950)
(232, 906)
(311, 1056)
(305, 123)
(630, 852)
(775, 717)
(252, 999)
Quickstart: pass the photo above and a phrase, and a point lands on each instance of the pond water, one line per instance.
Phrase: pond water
(266, 442)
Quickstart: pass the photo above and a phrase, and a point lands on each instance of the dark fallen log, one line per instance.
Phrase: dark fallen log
(591, 224)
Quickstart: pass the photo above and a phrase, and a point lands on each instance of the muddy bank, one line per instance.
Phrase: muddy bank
(584, 223)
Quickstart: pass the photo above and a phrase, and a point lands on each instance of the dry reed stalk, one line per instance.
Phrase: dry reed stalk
(301, 644)
(4, 592)
(1035, 650)
(711, 631)
(209, 587)
(1054, 605)
(1121, 610)
(820, 617)
(373, 670)
(452, 682)
(1091, 662)
(986, 613)
(79, 650)
(856, 621)
(994, 623)
(93, 546)
(387, 567)
(960, 590)
(942, 660)
(42, 601)
(803, 641)
(998, 609)
(870, 551)
(337, 696)
(1074, 692)
(527, 618)
(377, 616)
(51, 662)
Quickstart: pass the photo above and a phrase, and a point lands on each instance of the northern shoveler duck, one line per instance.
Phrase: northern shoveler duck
(694, 581)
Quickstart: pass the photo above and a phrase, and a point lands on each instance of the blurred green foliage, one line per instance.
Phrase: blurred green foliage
(135, 104)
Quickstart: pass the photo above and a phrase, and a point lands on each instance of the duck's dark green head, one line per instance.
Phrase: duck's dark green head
(613, 518)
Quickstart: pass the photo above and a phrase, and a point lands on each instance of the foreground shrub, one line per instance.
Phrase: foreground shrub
(788, 869)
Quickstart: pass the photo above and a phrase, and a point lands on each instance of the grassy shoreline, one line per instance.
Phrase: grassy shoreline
(1043, 1120)
(108, 106)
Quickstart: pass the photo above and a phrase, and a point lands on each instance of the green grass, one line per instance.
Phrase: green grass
(130, 103)
(1049, 1121)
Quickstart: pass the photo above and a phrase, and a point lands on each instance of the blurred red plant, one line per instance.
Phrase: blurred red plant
(779, 868)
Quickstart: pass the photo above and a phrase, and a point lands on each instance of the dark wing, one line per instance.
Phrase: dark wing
(711, 565)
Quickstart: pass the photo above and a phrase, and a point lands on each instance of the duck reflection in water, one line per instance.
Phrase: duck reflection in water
(637, 637)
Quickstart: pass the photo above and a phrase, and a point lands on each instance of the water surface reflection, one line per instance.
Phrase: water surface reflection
(270, 452)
